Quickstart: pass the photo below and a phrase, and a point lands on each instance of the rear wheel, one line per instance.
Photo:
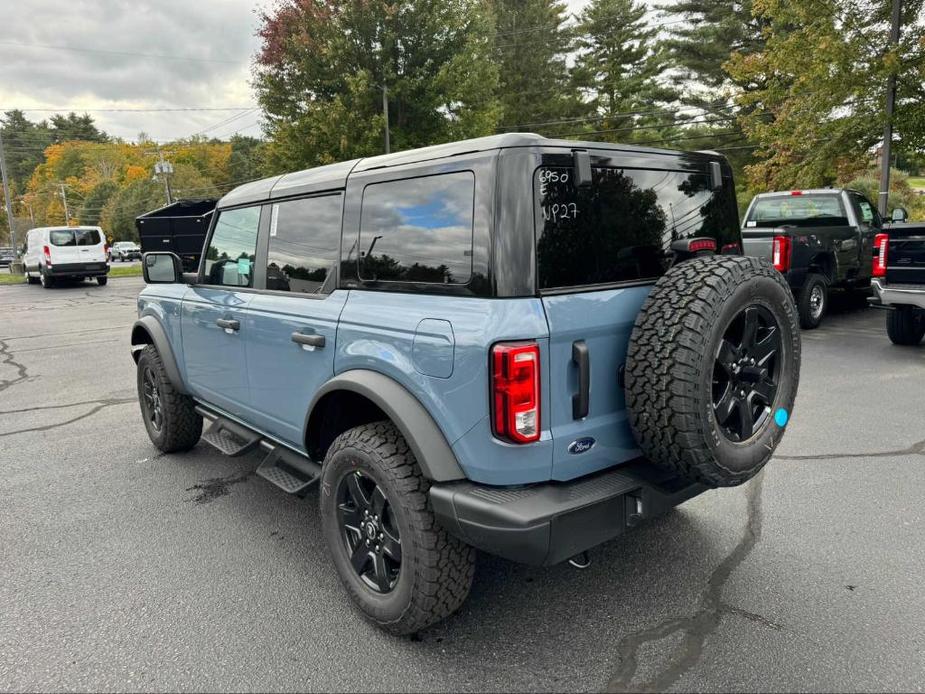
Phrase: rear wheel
(905, 325)
(102, 281)
(45, 280)
(713, 357)
(169, 416)
(403, 571)
(813, 301)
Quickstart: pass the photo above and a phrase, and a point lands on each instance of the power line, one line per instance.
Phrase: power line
(82, 49)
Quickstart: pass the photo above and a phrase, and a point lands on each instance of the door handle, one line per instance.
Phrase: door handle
(308, 340)
(228, 324)
(581, 401)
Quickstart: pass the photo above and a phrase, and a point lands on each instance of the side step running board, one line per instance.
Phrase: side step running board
(230, 438)
(288, 470)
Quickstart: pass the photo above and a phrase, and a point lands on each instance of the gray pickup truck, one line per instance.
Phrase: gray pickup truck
(818, 239)
(899, 279)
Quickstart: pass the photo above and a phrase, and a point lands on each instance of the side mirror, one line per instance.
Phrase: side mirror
(899, 214)
(162, 268)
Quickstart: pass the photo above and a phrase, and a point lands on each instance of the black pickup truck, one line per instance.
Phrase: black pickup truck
(899, 279)
(818, 239)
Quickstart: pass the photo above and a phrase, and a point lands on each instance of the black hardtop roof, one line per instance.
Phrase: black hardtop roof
(334, 176)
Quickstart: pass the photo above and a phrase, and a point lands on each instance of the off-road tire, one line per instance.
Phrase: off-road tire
(102, 281)
(905, 325)
(671, 360)
(809, 320)
(436, 568)
(182, 427)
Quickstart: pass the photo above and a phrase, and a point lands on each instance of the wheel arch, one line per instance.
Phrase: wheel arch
(148, 331)
(361, 396)
(824, 264)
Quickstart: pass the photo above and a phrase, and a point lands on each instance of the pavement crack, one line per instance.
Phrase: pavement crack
(8, 360)
(917, 448)
(697, 627)
(99, 405)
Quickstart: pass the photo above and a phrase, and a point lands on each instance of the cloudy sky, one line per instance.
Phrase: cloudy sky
(93, 55)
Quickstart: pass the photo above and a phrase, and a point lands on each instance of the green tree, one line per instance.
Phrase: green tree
(92, 208)
(619, 66)
(322, 67)
(813, 96)
(531, 44)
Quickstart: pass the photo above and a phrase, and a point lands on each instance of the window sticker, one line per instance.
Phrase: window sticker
(274, 220)
(244, 266)
(866, 211)
(751, 223)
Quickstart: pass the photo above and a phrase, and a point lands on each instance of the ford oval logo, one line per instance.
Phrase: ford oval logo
(581, 445)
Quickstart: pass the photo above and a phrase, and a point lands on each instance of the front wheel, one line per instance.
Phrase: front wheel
(712, 368)
(403, 571)
(169, 416)
(905, 325)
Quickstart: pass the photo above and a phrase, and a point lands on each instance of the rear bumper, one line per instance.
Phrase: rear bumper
(77, 270)
(547, 523)
(886, 295)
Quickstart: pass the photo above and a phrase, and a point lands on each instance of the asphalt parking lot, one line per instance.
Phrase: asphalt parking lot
(124, 569)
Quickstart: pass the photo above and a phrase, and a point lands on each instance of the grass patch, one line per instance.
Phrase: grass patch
(125, 271)
(7, 278)
(917, 182)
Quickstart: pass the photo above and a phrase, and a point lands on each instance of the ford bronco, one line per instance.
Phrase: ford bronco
(513, 344)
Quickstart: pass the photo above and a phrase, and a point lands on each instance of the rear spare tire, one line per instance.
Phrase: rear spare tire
(713, 367)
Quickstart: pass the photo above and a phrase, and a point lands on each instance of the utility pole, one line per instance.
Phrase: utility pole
(165, 168)
(385, 112)
(888, 128)
(6, 195)
(67, 212)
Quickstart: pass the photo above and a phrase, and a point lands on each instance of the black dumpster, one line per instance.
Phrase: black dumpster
(180, 227)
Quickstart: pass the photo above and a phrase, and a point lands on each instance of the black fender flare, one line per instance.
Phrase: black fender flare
(148, 331)
(424, 437)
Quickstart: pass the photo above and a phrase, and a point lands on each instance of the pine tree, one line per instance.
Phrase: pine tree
(619, 66)
(531, 43)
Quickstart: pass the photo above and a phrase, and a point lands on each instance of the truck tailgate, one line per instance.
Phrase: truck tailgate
(757, 243)
(906, 258)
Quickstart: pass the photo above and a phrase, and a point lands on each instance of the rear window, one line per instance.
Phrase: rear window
(797, 210)
(418, 230)
(74, 237)
(619, 228)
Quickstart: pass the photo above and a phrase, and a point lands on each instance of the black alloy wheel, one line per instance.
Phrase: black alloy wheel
(746, 373)
(369, 531)
(152, 399)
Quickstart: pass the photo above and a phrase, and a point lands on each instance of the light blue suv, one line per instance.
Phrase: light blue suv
(513, 344)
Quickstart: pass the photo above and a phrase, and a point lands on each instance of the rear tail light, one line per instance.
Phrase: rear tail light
(47, 251)
(780, 253)
(106, 250)
(515, 386)
(881, 250)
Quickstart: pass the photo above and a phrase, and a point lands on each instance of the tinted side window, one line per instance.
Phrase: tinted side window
(620, 227)
(418, 230)
(304, 244)
(230, 256)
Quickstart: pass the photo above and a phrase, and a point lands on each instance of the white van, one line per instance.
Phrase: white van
(65, 252)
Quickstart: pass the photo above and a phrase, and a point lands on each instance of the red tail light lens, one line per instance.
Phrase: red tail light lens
(106, 250)
(515, 377)
(695, 245)
(780, 253)
(881, 250)
(47, 251)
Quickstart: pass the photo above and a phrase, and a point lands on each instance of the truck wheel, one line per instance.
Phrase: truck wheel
(403, 571)
(905, 325)
(813, 301)
(46, 281)
(713, 357)
(169, 416)
(102, 281)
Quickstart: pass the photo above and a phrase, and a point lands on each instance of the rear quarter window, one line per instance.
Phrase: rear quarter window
(620, 228)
